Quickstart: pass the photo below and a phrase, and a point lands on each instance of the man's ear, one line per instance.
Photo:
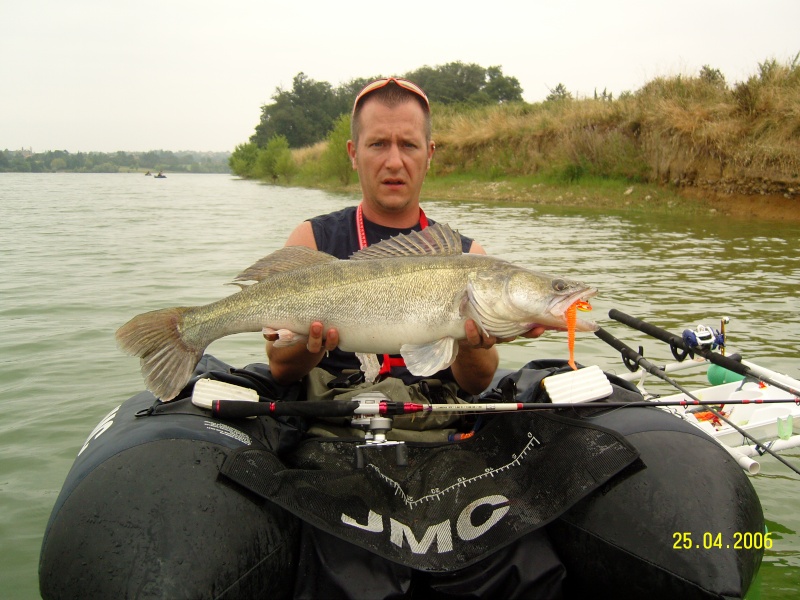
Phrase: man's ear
(351, 151)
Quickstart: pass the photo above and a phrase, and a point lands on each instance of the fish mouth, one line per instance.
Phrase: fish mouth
(559, 308)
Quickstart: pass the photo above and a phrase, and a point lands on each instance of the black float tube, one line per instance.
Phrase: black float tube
(631, 356)
(675, 342)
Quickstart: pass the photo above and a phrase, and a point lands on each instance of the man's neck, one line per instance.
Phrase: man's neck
(402, 219)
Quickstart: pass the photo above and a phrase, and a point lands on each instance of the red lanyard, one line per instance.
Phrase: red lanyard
(362, 234)
(388, 361)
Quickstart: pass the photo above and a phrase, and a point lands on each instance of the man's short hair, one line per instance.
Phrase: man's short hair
(390, 95)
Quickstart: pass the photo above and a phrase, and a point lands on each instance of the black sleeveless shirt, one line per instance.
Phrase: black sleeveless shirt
(337, 234)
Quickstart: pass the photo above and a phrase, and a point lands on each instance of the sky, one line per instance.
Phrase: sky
(92, 75)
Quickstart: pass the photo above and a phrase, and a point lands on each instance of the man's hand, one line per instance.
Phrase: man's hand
(476, 339)
(319, 343)
(292, 363)
(477, 358)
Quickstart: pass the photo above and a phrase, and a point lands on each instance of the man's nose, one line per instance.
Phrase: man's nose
(394, 159)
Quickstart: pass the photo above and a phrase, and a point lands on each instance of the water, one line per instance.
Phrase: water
(82, 253)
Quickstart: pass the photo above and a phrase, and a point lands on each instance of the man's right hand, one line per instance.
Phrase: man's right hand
(317, 342)
(291, 363)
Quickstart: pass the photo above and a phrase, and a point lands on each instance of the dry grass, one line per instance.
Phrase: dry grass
(678, 129)
(689, 131)
(302, 156)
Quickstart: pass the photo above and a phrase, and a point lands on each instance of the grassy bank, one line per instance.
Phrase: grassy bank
(687, 142)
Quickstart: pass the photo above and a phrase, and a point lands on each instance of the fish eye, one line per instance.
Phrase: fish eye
(560, 285)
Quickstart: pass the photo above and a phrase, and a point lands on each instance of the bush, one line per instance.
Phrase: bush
(243, 160)
(335, 160)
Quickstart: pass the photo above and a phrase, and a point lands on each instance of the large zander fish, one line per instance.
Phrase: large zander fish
(410, 295)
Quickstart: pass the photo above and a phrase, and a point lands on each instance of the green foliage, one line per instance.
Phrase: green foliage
(285, 166)
(58, 164)
(604, 96)
(712, 76)
(305, 114)
(308, 112)
(759, 94)
(243, 160)
(115, 162)
(275, 160)
(559, 94)
(335, 162)
(459, 83)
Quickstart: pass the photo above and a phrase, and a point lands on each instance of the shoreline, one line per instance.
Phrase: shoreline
(616, 195)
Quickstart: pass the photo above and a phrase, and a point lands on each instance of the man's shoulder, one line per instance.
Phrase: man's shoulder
(334, 232)
(336, 216)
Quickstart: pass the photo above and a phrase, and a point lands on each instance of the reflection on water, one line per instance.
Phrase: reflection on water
(81, 254)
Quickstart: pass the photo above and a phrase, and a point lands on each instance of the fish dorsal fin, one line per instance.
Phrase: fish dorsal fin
(289, 258)
(436, 240)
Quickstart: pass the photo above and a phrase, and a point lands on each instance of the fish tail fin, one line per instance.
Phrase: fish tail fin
(167, 359)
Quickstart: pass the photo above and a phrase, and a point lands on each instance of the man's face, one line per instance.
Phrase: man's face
(392, 156)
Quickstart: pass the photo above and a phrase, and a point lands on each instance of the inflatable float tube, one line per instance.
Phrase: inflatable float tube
(145, 513)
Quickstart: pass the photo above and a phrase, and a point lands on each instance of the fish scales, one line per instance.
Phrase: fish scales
(348, 294)
(411, 297)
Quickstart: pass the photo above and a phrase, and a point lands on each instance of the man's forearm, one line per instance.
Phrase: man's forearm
(291, 363)
(474, 368)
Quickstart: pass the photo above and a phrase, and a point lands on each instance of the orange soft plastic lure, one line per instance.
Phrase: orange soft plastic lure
(572, 318)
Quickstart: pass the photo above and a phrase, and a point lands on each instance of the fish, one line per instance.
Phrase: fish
(410, 295)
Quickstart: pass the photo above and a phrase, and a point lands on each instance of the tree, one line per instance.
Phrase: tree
(58, 164)
(559, 94)
(459, 83)
(306, 113)
(303, 115)
(500, 88)
(604, 96)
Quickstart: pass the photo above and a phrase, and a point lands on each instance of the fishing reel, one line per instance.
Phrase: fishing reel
(704, 338)
(375, 425)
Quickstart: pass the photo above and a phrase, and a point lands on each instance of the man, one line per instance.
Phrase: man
(391, 149)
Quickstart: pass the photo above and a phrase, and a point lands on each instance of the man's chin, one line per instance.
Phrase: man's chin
(397, 199)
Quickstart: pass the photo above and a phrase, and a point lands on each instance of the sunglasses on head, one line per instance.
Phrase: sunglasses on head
(383, 82)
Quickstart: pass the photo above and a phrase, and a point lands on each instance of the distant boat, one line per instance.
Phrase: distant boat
(147, 174)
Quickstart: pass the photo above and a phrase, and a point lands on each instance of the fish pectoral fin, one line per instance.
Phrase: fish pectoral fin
(369, 365)
(286, 337)
(427, 359)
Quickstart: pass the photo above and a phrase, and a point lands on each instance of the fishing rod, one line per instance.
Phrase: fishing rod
(632, 358)
(240, 409)
(680, 349)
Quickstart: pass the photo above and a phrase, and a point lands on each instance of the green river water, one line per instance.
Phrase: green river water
(82, 253)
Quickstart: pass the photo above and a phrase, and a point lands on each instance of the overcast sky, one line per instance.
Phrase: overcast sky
(83, 75)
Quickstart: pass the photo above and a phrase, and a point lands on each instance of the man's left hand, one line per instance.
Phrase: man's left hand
(477, 339)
